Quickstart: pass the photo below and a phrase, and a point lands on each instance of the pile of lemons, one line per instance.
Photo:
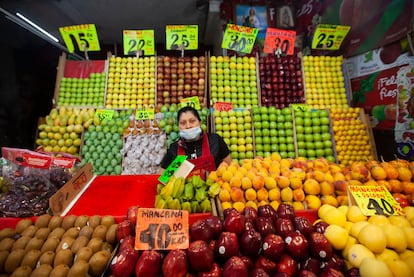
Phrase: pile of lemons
(378, 245)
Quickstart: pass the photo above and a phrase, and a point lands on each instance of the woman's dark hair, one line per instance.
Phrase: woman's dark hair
(188, 109)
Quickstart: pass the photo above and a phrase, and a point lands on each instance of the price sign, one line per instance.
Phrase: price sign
(179, 36)
(223, 106)
(139, 40)
(300, 107)
(172, 168)
(278, 40)
(190, 101)
(145, 113)
(374, 200)
(104, 114)
(161, 229)
(329, 37)
(239, 38)
(79, 37)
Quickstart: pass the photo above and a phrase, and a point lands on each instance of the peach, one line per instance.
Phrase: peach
(312, 202)
(262, 194)
(250, 194)
(275, 156)
(318, 175)
(286, 194)
(300, 164)
(274, 194)
(298, 195)
(327, 188)
(360, 172)
(235, 181)
(341, 187)
(286, 162)
(342, 199)
(251, 204)
(378, 173)
(227, 175)
(295, 182)
(354, 183)
(371, 182)
(269, 182)
(274, 170)
(404, 174)
(311, 186)
(213, 176)
(395, 185)
(236, 194)
(226, 205)
(392, 172)
(408, 187)
(246, 183)
(328, 177)
(299, 173)
(275, 204)
(282, 181)
(321, 164)
(298, 206)
(224, 195)
(334, 168)
(239, 206)
(338, 176)
(226, 186)
(262, 203)
(384, 183)
(329, 199)
(258, 182)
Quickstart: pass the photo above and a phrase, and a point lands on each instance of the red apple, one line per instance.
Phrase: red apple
(297, 245)
(235, 267)
(273, 246)
(201, 230)
(250, 243)
(227, 245)
(175, 264)
(149, 264)
(287, 265)
(215, 271)
(320, 246)
(200, 255)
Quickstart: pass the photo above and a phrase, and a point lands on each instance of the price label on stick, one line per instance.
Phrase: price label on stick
(139, 40)
(161, 229)
(329, 37)
(278, 40)
(179, 36)
(190, 101)
(239, 38)
(104, 114)
(80, 37)
(145, 113)
(374, 200)
(178, 167)
(300, 107)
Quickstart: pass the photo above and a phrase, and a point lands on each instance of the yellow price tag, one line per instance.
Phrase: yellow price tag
(139, 40)
(190, 101)
(147, 112)
(239, 38)
(374, 200)
(79, 37)
(329, 37)
(104, 114)
(178, 37)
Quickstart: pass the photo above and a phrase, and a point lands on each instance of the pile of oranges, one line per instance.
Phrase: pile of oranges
(350, 134)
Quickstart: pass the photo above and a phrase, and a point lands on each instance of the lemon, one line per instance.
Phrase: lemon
(399, 220)
(373, 237)
(406, 254)
(351, 241)
(409, 235)
(325, 208)
(387, 254)
(357, 253)
(335, 217)
(410, 262)
(378, 220)
(337, 236)
(355, 214)
(348, 225)
(400, 268)
(356, 228)
(371, 267)
(396, 238)
(343, 209)
(409, 212)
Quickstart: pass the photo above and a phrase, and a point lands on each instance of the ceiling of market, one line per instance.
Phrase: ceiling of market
(111, 17)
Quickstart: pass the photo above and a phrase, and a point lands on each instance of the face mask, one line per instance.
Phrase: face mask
(190, 134)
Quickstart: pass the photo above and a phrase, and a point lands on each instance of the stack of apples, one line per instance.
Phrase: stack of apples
(131, 82)
(351, 139)
(376, 245)
(281, 81)
(63, 128)
(273, 131)
(179, 78)
(313, 136)
(325, 82)
(234, 80)
(89, 91)
(235, 127)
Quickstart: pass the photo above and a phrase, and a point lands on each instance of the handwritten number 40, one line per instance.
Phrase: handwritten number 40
(374, 205)
(158, 235)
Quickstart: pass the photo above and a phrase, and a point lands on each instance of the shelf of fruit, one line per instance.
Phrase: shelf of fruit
(62, 129)
(351, 136)
(325, 82)
(131, 82)
(181, 77)
(313, 134)
(236, 128)
(281, 81)
(273, 132)
(103, 142)
(235, 80)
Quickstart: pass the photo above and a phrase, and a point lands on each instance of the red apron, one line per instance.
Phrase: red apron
(203, 163)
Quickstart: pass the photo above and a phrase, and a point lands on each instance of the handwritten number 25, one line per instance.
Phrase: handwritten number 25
(329, 41)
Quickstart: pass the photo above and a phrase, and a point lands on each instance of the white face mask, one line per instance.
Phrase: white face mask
(191, 134)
